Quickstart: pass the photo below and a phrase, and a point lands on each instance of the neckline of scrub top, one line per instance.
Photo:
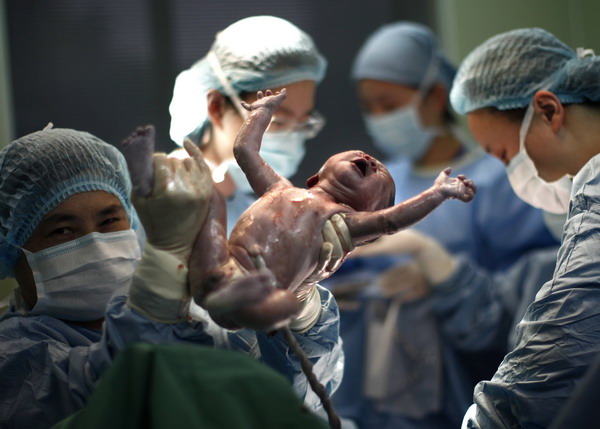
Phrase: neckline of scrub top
(471, 152)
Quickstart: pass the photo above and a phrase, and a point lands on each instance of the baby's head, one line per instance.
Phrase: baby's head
(357, 180)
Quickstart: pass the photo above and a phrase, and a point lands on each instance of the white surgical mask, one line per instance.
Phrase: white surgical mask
(400, 133)
(75, 280)
(283, 151)
(552, 197)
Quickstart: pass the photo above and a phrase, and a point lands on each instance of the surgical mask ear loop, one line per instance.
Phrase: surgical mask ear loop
(425, 84)
(545, 86)
(429, 78)
(215, 65)
(218, 172)
(583, 52)
(525, 127)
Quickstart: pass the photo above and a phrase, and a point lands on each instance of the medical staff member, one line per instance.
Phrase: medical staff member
(70, 236)
(532, 102)
(403, 81)
(255, 53)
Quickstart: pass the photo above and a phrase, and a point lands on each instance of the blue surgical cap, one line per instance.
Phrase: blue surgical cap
(41, 170)
(402, 53)
(255, 53)
(508, 69)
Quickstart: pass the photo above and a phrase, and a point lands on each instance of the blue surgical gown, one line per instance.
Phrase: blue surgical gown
(236, 205)
(493, 230)
(489, 234)
(559, 336)
(48, 368)
(476, 307)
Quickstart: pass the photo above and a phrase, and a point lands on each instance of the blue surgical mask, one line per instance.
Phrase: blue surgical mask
(76, 279)
(283, 151)
(400, 133)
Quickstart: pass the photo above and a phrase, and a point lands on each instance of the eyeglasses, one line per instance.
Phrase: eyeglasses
(311, 127)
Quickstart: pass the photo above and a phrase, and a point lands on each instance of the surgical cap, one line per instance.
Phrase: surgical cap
(41, 170)
(402, 53)
(506, 71)
(255, 53)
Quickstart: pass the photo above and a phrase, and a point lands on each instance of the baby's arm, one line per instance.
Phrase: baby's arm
(366, 226)
(247, 143)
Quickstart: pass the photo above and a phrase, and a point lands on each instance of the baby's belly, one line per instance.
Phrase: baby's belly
(286, 232)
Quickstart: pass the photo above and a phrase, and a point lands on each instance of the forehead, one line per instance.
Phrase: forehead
(492, 129)
(346, 156)
(376, 90)
(335, 159)
(300, 100)
(85, 203)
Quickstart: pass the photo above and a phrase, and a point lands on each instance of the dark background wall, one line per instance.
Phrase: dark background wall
(108, 66)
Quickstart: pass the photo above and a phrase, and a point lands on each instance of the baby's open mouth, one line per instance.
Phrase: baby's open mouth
(362, 165)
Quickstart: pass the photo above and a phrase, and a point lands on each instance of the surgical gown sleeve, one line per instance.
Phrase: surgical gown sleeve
(505, 227)
(49, 368)
(478, 310)
(322, 345)
(46, 370)
(559, 336)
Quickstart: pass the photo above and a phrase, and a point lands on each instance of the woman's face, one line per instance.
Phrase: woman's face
(298, 106)
(497, 134)
(379, 97)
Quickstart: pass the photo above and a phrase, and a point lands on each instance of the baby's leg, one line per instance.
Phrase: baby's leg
(210, 252)
(248, 296)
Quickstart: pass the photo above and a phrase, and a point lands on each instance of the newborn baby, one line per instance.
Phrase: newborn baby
(256, 278)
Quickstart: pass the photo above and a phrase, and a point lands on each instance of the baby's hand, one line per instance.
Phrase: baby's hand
(459, 188)
(268, 100)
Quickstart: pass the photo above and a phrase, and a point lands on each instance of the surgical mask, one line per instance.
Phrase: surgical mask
(400, 133)
(283, 151)
(75, 280)
(552, 197)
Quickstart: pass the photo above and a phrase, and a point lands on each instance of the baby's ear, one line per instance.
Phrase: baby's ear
(312, 181)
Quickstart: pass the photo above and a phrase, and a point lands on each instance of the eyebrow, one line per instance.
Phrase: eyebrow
(58, 217)
(113, 208)
(288, 112)
(67, 217)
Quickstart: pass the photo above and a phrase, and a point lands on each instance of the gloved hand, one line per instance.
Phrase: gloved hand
(337, 244)
(175, 211)
(404, 282)
(159, 289)
(434, 261)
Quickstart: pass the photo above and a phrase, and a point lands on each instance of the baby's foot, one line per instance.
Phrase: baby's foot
(138, 149)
